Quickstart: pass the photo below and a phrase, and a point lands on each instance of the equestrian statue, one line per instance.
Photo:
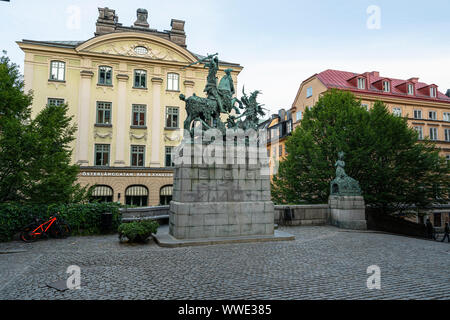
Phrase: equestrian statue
(220, 100)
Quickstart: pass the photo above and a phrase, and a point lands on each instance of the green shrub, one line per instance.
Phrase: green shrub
(138, 231)
(83, 218)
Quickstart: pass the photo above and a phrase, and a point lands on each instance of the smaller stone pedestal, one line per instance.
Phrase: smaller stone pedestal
(348, 212)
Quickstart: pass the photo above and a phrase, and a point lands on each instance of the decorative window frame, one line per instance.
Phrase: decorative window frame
(51, 69)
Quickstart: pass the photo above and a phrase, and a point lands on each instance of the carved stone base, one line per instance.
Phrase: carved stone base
(348, 212)
(211, 201)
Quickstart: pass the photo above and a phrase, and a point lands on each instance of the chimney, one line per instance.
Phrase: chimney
(375, 74)
(414, 80)
(106, 22)
(141, 22)
(448, 93)
(177, 34)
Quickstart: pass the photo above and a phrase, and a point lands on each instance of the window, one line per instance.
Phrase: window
(137, 156)
(105, 75)
(437, 217)
(433, 92)
(446, 116)
(103, 112)
(172, 117)
(447, 157)
(420, 132)
(433, 134)
(417, 114)
(280, 150)
(275, 132)
(432, 115)
(102, 194)
(169, 157)
(57, 70)
(140, 79)
(138, 118)
(309, 92)
(397, 112)
(141, 50)
(410, 89)
(447, 135)
(102, 154)
(386, 86)
(365, 106)
(55, 101)
(361, 83)
(173, 82)
(165, 195)
(289, 126)
(136, 196)
(298, 116)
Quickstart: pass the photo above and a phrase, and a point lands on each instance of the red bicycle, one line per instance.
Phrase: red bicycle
(54, 227)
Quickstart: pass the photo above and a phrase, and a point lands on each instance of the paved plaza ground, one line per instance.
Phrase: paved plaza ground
(322, 263)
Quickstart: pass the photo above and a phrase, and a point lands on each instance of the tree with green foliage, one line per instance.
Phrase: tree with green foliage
(35, 153)
(394, 169)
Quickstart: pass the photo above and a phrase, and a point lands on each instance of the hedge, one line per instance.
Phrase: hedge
(83, 218)
(138, 231)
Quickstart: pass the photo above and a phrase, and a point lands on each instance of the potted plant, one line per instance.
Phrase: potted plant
(138, 231)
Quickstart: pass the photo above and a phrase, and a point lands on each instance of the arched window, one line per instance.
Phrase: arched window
(57, 70)
(102, 193)
(165, 195)
(136, 195)
(173, 83)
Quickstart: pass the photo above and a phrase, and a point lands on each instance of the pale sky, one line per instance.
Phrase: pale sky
(279, 43)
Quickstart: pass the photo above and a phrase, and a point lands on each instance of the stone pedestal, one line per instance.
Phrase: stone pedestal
(348, 212)
(211, 201)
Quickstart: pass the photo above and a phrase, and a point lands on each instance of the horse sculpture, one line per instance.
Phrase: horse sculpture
(200, 109)
(219, 101)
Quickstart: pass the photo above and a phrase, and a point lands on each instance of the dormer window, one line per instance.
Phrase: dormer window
(410, 89)
(361, 83)
(386, 86)
(433, 92)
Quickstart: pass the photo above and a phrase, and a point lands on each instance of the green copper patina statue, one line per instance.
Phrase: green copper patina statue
(343, 185)
(219, 100)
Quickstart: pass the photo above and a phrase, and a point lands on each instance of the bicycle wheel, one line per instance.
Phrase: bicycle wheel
(65, 230)
(27, 236)
(60, 230)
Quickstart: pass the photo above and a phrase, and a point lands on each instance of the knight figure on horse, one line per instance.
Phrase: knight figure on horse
(219, 98)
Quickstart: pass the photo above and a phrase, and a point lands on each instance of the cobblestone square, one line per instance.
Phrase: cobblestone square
(322, 263)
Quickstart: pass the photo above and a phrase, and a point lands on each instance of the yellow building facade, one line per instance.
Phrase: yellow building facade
(122, 87)
(279, 127)
(425, 107)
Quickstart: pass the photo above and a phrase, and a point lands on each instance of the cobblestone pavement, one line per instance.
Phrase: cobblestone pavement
(322, 263)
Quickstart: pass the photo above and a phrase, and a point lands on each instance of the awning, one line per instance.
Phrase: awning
(102, 191)
(136, 191)
(166, 191)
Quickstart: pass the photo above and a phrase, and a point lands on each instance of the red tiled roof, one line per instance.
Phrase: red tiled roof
(339, 79)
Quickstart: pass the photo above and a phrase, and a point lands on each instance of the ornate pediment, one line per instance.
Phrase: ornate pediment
(140, 48)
